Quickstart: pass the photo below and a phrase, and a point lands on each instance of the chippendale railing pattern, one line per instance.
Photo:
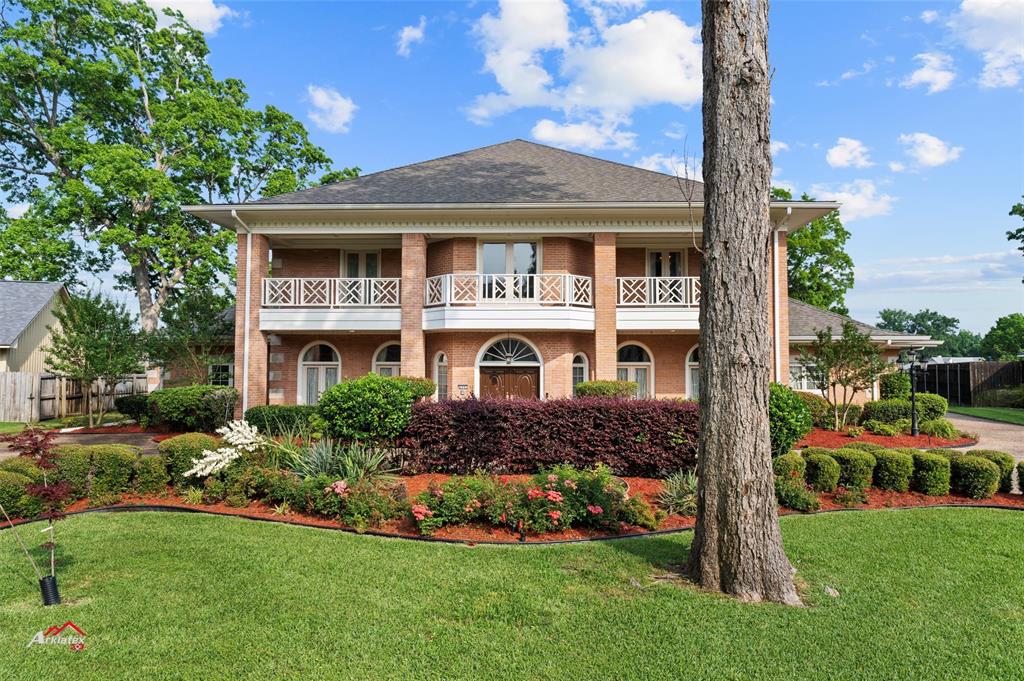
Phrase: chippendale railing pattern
(659, 291)
(288, 292)
(503, 289)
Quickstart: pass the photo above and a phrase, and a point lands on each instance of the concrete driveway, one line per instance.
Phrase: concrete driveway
(143, 440)
(1003, 437)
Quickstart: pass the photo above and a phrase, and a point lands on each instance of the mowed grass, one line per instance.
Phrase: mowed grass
(923, 594)
(8, 427)
(1004, 414)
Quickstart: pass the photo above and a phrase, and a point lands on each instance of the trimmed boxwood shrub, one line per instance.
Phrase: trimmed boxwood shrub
(23, 465)
(788, 418)
(179, 452)
(822, 472)
(621, 389)
(855, 467)
(112, 468)
(201, 408)
(929, 407)
(371, 408)
(135, 407)
(279, 419)
(942, 428)
(864, 446)
(893, 470)
(974, 476)
(74, 466)
(791, 492)
(931, 474)
(15, 501)
(894, 385)
(787, 464)
(634, 437)
(877, 427)
(821, 411)
(1003, 460)
(151, 475)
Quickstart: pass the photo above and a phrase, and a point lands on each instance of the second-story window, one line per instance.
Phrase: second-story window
(498, 260)
(362, 264)
(664, 263)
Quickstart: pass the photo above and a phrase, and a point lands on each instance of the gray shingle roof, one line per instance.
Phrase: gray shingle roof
(511, 172)
(20, 302)
(806, 320)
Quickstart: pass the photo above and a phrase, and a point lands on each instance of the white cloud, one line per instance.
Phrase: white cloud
(690, 169)
(204, 15)
(587, 136)
(995, 271)
(928, 150)
(331, 110)
(995, 256)
(409, 36)
(675, 131)
(896, 166)
(16, 210)
(929, 15)
(936, 71)
(848, 153)
(995, 29)
(860, 199)
(866, 68)
(778, 146)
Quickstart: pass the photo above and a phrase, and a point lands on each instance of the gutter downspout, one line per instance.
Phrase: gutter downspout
(248, 288)
(775, 294)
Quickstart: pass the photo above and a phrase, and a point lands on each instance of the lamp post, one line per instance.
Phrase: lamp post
(912, 359)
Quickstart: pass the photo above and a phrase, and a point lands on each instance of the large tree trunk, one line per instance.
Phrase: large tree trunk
(737, 546)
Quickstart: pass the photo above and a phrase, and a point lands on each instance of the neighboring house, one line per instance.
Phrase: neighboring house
(514, 270)
(26, 310)
(806, 320)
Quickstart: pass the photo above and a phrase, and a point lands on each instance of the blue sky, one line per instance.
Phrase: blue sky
(910, 113)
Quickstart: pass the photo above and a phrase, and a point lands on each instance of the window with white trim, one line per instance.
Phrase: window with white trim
(580, 370)
(635, 364)
(441, 376)
(799, 377)
(693, 374)
(222, 374)
(388, 360)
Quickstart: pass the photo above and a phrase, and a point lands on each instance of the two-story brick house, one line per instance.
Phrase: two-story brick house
(511, 270)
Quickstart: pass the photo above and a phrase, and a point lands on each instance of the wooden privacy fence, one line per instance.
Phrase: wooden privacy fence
(27, 397)
(977, 384)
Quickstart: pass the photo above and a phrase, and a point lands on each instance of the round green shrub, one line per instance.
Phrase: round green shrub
(74, 466)
(931, 474)
(942, 428)
(179, 453)
(822, 472)
(1001, 459)
(893, 470)
(807, 451)
(23, 466)
(788, 417)
(864, 446)
(894, 385)
(974, 476)
(787, 464)
(15, 501)
(419, 388)
(371, 408)
(113, 466)
(793, 493)
(151, 475)
(929, 407)
(876, 427)
(135, 407)
(618, 389)
(855, 467)
(201, 408)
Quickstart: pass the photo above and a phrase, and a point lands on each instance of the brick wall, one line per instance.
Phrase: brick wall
(783, 339)
(257, 378)
(631, 262)
(307, 262)
(451, 256)
(391, 263)
(605, 300)
(414, 266)
(669, 353)
(355, 350)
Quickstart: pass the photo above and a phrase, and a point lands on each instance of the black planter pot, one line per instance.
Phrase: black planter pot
(48, 585)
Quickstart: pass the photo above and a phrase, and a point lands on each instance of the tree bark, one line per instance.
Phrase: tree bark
(737, 546)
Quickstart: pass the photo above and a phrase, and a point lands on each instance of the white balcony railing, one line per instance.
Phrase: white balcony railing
(505, 289)
(286, 292)
(658, 291)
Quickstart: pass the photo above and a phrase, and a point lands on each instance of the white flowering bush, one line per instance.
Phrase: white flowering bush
(242, 437)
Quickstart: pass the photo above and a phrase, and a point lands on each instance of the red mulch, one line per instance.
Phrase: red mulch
(834, 440)
(646, 487)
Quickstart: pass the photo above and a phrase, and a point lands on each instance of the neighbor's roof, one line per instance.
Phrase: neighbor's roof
(511, 172)
(20, 302)
(806, 320)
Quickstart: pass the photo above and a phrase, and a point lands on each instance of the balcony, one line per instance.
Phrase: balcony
(331, 304)
(502, 301)
(658, 303)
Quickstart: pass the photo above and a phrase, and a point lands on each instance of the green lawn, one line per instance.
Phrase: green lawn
(1005, 414)
(66, 422)
(923, 594)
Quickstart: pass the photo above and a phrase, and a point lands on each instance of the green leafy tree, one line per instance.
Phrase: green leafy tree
(1005, 340)
(197, 327)
(963, 343)
(111, 123)
(819, 269)
(842, 367)
(94, 341)
(1018, 233)
(956, 342)
(340, 175)
(33, 249)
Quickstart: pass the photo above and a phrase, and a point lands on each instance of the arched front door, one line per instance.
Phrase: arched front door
(509, 369)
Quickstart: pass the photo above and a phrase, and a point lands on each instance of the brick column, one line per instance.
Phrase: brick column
(605, 336)
(254, 390)
(414, 270)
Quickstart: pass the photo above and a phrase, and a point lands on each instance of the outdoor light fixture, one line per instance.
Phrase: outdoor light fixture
(912, 370)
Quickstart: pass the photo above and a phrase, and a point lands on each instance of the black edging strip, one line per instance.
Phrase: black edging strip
(470, 542)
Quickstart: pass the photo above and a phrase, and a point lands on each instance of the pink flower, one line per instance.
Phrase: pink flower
(552, 478)
(419, 512)
(339, 487)
(472, 506)
(438, 492)
(534, 493)
(554, 515)
(555, 497)
(596, 510)
(503, 520)
(570, 484)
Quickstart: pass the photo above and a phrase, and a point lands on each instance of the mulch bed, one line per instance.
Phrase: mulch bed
(834, 440)
(646, 487)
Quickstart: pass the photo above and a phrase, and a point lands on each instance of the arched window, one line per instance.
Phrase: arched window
(509, 368)
(693, 374)
(319, 369)
(580, 370)
(635, 364)
(388, 360)
(509, 351)
(441, 376)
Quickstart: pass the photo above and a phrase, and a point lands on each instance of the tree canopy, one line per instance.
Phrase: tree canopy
(820, 270)
(111, 123)
(842, 367)
(1017, 234)
(1005, 340)
(956, 342)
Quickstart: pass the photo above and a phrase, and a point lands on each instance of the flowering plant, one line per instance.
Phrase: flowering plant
(243, 438)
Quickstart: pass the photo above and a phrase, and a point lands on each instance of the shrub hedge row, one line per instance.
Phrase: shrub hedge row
(280, 419)
(929, 407)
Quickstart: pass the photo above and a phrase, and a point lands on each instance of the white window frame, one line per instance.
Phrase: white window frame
(300, 383)
(689, 366)
(632, 366)
(509, 259)
(230, 372)
(343, 264)
(802, 385)
(441, 394)
(684, 260)
(396, 366)
(572, 371)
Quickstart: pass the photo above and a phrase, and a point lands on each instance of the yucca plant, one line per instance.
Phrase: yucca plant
(354, 463)
(679, 493)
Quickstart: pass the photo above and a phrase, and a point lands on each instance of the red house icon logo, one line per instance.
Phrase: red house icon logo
(68, 634)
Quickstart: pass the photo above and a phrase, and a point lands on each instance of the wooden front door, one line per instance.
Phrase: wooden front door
(506, 383)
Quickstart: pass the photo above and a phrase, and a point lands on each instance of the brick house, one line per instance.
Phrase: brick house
(514, 270)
